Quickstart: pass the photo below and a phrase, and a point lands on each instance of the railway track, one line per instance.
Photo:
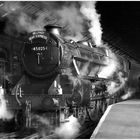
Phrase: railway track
(33, 136)
(85, 133)
(18, 135)
(8, 135)
(14, 135)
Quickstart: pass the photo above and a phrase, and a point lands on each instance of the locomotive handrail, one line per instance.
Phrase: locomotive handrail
(75, 65)
(94, 78)
(100, 97)
(90, 50)
(87, 60)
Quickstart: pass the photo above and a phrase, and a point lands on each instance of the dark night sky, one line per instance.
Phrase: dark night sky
(123, 18)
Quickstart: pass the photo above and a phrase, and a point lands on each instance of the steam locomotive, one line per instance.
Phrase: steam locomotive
(51, 74)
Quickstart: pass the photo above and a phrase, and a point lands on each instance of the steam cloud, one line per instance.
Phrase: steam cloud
(113, 66)
(66, 130)
(73, 17)
(69, 129)
(4, 113)
(129, 93)
(113, 86)
(45, 127)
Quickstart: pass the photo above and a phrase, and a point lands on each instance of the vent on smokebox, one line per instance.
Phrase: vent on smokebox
(54, 29)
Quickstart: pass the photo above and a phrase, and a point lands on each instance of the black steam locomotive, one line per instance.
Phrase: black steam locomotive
(52, 75)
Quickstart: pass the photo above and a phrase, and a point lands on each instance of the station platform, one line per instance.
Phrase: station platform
(120, 121)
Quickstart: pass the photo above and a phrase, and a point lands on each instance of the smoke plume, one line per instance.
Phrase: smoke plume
(89, 11)
(73, 16)
(20, 21)
(72, 19)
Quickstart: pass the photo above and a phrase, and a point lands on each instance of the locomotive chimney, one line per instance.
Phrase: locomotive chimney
(54, 29)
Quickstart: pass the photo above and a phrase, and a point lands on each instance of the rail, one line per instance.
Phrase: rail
(8, 135)
(33, 136)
